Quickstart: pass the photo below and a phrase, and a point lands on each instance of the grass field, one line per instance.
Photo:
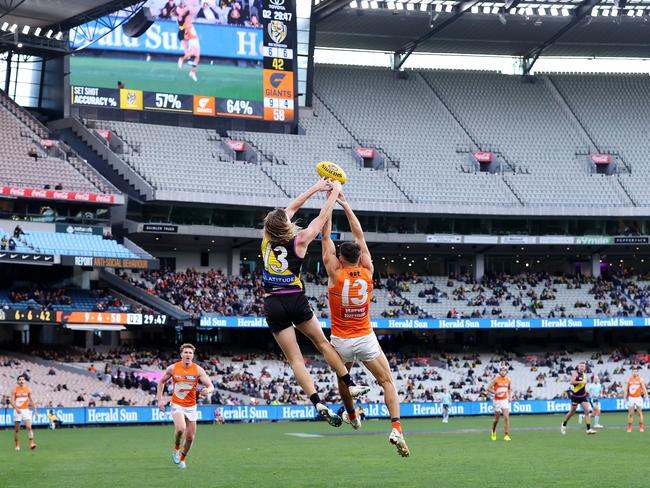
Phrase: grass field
(459, 454)
(164, 76)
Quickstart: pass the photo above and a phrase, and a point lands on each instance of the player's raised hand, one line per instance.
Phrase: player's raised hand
(323, 184)
(341, 199)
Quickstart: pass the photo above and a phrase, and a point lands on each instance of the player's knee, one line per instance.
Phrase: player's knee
(189, 438)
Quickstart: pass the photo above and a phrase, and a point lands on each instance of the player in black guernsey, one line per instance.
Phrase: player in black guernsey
(578, 395)
(284, 246)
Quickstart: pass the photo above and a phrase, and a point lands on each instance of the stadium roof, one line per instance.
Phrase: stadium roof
(485, 28)
(42, 13)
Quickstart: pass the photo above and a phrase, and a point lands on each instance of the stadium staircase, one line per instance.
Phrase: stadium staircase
(99, 155)
(136, 293)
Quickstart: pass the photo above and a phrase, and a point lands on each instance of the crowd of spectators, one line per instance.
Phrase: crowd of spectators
(200, 292)
(522, 291)
(421, 376)
(41, 298)
(220, 12)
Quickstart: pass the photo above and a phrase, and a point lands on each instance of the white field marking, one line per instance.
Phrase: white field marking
(302, 434)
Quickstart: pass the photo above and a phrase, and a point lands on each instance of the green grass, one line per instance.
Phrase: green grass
(264, 455)
(216, 80)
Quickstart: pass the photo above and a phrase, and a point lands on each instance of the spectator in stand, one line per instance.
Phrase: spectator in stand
(168, 10)
(208, 14)
(3, 243)
(12, 245)
(32, 152)
(18, 231)
(235, 16)
(59, 186)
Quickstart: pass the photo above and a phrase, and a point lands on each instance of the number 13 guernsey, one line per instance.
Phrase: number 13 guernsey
(349, 300)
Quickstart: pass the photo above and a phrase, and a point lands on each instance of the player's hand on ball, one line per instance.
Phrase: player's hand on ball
(336, 185)
(323, 184)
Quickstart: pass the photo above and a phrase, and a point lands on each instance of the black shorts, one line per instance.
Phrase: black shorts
(286, 309)
(578, 400)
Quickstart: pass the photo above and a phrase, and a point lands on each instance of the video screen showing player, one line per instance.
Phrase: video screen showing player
(207, 48)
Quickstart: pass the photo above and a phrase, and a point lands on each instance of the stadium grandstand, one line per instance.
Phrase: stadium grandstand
(494, 154)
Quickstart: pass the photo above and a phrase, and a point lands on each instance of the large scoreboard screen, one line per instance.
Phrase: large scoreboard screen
(214, 58)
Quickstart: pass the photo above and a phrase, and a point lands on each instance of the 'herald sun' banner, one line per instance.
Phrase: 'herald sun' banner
(208, 413)
(213, 321)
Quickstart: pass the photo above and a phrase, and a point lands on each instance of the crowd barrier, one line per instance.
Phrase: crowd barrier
(207, 413)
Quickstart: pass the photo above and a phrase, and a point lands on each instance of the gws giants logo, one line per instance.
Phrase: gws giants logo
(277, 31)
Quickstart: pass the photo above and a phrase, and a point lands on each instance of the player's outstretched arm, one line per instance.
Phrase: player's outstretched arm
(207, 382)
(12, 400)
(332, 264)
(293, 207)
(160, 388)
(316, 225)
(357, 233)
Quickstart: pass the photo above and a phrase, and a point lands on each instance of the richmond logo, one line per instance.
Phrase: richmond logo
(277, 31)
(131, 98)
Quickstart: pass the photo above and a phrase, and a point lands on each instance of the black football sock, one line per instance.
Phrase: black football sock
(347, 380)
(315, 399)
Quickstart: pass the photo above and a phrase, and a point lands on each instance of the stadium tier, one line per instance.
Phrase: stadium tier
(76, 245)
(190, 160)
(608, 106)
(527, 295)
(424, 129)
(61, 385)
(262, 379)
(59, 243)
(26, 160)
(62, 299)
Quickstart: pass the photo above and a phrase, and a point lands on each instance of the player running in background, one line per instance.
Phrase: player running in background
(350, 291)
(284, 246)
(185, 376)
(500, 388)
(635, 389)
(578, 395)
(20, 400)
(446, 405)
(595, 392)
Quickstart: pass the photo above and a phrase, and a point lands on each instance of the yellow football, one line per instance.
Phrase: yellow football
(328, 169)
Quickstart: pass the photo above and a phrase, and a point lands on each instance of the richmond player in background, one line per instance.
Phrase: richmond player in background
(21, 398)
(499, 387)
(185, 376)
(578, 395)
(284, 246)
(635, 392)
(350, 291)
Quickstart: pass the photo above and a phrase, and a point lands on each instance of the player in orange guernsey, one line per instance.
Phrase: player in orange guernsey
(350, 291)
(500, 388)
(20, 399)
(635, 392)
(185, 376)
